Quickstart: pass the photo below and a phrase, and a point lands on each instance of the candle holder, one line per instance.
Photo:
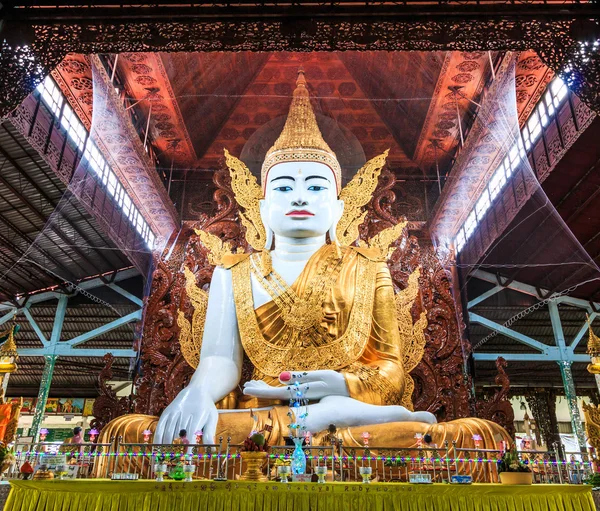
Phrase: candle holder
(321, 472)
(365, 473)
(159, 470)
(61, 471)
(283, 471)
(189, 470)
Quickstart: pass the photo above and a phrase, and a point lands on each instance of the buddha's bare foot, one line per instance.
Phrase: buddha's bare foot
(348, 412)
(427, 417)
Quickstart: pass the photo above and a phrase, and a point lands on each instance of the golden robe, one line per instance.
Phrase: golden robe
(357, 334)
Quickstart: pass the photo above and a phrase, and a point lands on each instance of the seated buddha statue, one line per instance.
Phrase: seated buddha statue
(304, 307)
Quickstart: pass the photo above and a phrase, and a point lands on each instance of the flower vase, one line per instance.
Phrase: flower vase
(298, 458)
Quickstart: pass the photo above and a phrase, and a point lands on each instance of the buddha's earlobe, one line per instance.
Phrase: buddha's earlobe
(268, 231)
(268, 238)
(333, 228)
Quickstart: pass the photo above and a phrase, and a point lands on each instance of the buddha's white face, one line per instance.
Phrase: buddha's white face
(301, 200)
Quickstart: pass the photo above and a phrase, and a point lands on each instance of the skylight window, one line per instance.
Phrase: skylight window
(497, 182)
(78, 135)
(531, 131)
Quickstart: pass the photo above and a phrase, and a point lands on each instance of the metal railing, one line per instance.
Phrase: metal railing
(223, 461)
(83, 457)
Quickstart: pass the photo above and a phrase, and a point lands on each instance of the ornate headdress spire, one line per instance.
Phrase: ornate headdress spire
(301, 138)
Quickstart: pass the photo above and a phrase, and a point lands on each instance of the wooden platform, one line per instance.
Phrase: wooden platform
(102, 495)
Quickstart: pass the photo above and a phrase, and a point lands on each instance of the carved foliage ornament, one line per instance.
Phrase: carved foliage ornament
(556, 41)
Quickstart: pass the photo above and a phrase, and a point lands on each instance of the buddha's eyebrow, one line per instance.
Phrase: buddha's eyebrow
(316, 177)
(283, 177)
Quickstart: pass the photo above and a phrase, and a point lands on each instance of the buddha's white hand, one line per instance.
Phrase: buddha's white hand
(193, 410)
(313, 384)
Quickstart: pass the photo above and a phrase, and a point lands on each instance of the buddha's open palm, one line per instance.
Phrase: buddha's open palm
(313, 384)
(192, 410)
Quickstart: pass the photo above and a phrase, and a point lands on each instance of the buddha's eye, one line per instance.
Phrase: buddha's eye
(283, 188)
(316, 188)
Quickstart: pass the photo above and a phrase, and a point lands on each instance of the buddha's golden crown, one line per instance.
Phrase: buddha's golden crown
(301, 138)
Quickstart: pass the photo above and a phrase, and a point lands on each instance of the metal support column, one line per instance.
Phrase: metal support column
(50, 361)
(571, 395)
(567, 375)
(40, 405)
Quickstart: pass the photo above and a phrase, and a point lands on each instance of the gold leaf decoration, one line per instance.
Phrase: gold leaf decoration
(247, 194)
(412, 335)
(190, 337)
(385, 238)
(404, 303)
(356, 194)
(592, 424)
(217, 248)
(414, 354)
(409, 388)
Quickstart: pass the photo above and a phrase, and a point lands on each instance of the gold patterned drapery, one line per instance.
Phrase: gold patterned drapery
(99, 495)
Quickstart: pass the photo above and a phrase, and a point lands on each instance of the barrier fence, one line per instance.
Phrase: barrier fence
(343, 463)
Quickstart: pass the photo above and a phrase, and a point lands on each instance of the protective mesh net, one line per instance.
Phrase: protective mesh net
(76, 256)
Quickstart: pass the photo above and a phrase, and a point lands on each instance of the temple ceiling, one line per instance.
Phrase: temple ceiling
(196, 104)
(199, 103)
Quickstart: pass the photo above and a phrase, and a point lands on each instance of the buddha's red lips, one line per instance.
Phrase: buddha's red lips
(299, 212)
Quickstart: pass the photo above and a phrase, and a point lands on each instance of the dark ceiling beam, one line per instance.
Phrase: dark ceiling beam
(14, 265)
(39, 231)
(54, 205)
(555, 233)
(257, 10)
(11, 262)
(11, 266)
(373, 87)
(43, 252)
(44, 219)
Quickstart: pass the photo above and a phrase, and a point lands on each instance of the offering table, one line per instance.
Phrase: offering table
(103, 495)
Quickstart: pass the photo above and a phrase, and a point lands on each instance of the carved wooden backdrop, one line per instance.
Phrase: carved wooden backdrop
(440, 385)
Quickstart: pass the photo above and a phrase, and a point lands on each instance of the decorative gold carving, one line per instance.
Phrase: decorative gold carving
(336, 354)
(373, 377)
(385, 238)
(356, 194)
(304, 312)
(190, 337)
(266, 263)
(247, 194)
(301, 138)
(592, 424)
(217, 248)
(412, 336)
(593, 350)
